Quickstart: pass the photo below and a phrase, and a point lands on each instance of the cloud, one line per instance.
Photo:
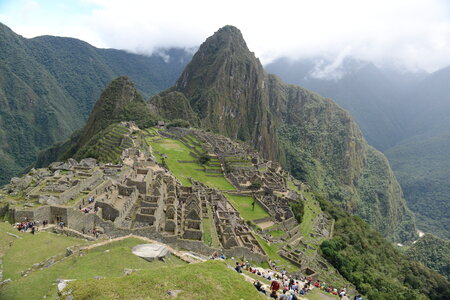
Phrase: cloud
(411, 33)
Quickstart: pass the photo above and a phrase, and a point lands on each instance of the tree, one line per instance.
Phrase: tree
(204, 158)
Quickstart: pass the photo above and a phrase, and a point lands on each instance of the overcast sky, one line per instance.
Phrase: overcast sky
(412, 33)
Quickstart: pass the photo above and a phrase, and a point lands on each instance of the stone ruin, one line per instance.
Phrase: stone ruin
(138, 194)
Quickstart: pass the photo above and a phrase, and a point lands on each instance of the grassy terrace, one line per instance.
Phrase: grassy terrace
(106, 261)
(291, 185)
(175, 151)
(210, 237)
(209, 280)
(271, 250)
(244, 206)
(312, 209)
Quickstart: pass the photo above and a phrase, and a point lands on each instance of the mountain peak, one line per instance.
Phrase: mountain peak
(229, 30)
(219, 62)
(224, 38)
(116, 96)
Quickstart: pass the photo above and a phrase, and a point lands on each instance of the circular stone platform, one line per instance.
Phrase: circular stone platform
(151, 252)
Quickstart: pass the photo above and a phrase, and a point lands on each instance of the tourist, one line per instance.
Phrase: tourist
(293, 297)
(273, 295)
(275, 286)
(283, 296)
(238, 268)
(257, 285)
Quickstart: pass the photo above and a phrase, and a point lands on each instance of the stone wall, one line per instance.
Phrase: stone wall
(23, 215)
(84, 184)
(98, 190)
(108, 212)
(42, 213)
(290, 223)
(140, 185)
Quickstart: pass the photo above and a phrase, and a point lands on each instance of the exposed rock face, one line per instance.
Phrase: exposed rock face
(227, 86)
(311, 136)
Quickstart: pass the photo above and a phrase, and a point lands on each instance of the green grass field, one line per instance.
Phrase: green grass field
(244, 206)
(208, 280)
(175, 150)
(276, 233)
(108, 261)
(30, 249)
(210, 237)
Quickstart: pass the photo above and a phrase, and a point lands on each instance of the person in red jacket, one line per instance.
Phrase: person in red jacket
(275, 286)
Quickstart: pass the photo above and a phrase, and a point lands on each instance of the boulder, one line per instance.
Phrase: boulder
(62, 283)
(151, 252)
(21, 183)
(58, 165)
(88, 162)
(49, 200)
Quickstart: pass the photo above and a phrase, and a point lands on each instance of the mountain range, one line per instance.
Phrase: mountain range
(225, 89)
(49, 84)
(404, 114)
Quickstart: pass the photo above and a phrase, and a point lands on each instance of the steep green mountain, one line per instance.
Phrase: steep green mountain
(404, 114)
(433, 252)
(120, 101)
(48, 86)
(422, 165)
(373, 95)
(377, 269)
(311, 136)
(422, 162)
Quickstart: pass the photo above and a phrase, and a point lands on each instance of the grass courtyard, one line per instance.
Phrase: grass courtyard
(244, 205)
(176, 151)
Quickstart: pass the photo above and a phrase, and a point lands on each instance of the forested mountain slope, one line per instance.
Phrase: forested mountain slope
(404, 114)
(48, 86)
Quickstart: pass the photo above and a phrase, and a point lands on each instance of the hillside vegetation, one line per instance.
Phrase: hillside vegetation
(377, 269)
(48, 86)
(433, 252)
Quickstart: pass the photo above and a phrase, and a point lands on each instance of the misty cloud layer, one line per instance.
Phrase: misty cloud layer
(413, 34)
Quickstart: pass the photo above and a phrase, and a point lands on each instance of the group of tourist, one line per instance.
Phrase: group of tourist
(29, 226)
(88, 209)
(284, 287)
(330, 289)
